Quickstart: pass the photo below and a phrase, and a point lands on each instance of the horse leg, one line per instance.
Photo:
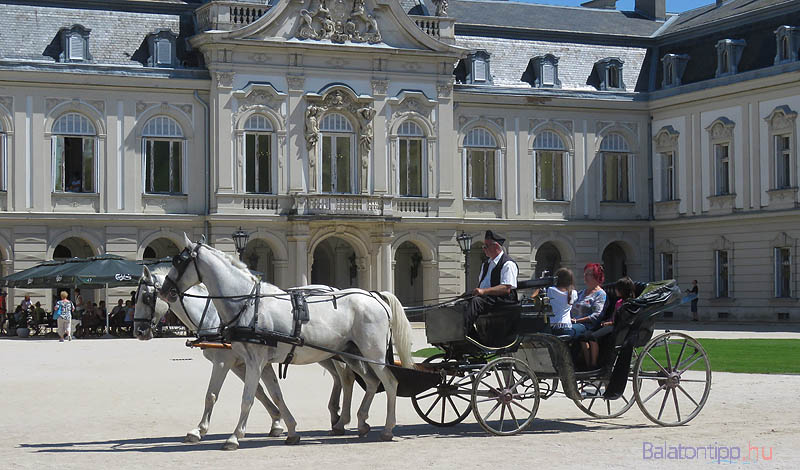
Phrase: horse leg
(348, 378)
(219, 370)
(333, 402)
(371, 382)
(276, 429)
(389, 382)
(254, 362)
(274, 389)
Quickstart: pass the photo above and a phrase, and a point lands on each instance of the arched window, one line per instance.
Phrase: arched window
(258, 154)
(411, 155)
(74, 151)
(617, 169)
(338, 167)
(549, 152)
(163, 153)
(481, 148)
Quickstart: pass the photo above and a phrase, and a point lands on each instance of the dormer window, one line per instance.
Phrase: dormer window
(542, 72)
(161, 45)
(607, 75)
(729, 52)
(474, 69)
(673, 65)
(75, 44)
(787, 38)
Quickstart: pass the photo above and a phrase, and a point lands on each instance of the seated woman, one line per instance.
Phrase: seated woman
(623, 290)
(562, 296)
(587, 310)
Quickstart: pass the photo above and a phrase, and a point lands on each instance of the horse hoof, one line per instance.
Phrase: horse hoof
(276, 431)
(335, 419)
(386, 436)
(363, 431)
(292, 440)
(230, 446)
(337, 432)
(191, 438)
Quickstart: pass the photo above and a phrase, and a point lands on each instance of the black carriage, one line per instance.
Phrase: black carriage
(500, 370)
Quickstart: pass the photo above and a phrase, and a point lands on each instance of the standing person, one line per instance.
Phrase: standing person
(80, 307)
(694, 290)
(63, 314)
(497, 282)
(587, 310)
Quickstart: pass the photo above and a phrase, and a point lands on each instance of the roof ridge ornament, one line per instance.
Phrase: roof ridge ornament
(336, 24)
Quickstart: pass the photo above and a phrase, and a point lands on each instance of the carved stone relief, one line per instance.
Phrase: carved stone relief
(444, 89)
(380, 87)
(224, 79)
(667, 138)
(186, 108)
(441, 7)
(51, 103)
(721, 129)
(6, 102)
(782, 118)
(338, 100)
(339, 21)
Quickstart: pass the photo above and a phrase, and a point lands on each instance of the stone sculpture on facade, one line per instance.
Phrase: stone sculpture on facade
(336, 21)
(441, 7)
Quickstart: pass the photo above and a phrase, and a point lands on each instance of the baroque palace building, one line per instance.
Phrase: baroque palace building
(355, 139)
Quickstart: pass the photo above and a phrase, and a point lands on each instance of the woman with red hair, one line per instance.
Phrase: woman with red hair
(587, 311)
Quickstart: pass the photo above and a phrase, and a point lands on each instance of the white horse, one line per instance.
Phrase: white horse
(337, 321)
(191, 312)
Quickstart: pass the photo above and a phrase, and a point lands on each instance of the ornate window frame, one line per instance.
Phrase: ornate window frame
(783, 241)
(499, 151)
(609, 74)
(413, 106)
(568, 157)
(729, 53)
(267, 128)
(6, 135)
(90, 132)
(722, 244)
(74, 39)
(673, 67)
(720, 133)
(177, 136)
(475, 69)
(787, 39)
(535, 73)
(667, 251)
(161, 45)
(626, 149)
(781, 122)
(666, 143)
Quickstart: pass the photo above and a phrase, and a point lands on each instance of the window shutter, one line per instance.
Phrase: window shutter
(164, 52)
(76, 48)
(548, 74)
(479, 69)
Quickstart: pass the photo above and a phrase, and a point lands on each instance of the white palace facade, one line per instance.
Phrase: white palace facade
(355, 139)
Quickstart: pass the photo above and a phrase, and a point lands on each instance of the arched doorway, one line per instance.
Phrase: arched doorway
(548, 258)
(258, 256)
(335, 264)
(73, 247)
(615, 262)
(160, 248)
(408, 275)
(476, 260)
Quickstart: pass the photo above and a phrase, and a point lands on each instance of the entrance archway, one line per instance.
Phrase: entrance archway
(335, 264)
(615, 262)
(548, 258)
(259, 257)
(160, 248)
(408, 274)
(73, 247)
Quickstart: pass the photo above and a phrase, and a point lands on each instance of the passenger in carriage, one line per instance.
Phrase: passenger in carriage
(587, 310)
(624, 289)
(562, 296)
(497, 283)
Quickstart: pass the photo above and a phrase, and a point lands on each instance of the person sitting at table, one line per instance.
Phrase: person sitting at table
(39, 315)
(129, 314)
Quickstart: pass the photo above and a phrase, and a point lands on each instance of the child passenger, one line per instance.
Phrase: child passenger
(562, 296)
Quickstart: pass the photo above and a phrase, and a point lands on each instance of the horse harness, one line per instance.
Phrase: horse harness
(231, 331)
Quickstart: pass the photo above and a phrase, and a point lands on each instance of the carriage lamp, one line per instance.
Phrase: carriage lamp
(240, 238)
(465, 242)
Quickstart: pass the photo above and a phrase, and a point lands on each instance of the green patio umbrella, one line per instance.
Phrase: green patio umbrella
(95, 272)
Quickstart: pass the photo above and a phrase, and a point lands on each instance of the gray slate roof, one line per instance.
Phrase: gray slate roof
(551, 18)
(708, 14)
(116, 35)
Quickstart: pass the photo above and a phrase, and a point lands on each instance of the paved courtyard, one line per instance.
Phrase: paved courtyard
(122, 403)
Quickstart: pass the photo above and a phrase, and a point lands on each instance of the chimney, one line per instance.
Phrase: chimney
(602, 4)
(653, 9)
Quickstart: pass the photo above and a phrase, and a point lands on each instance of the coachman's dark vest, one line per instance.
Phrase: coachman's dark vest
(494, 278)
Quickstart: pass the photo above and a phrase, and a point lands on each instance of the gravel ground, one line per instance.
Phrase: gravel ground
(127, 404)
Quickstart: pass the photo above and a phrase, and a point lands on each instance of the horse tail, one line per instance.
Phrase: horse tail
(401, 330)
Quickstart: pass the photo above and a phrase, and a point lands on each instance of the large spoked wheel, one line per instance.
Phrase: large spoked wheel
(672, 379)
(505, 396)
(594, 404)
(448, 403)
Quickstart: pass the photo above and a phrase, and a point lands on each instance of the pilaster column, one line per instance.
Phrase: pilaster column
(299, 267)
(380, 159)
(298, 157)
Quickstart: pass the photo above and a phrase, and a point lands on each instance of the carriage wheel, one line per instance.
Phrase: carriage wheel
(505, 396)
(672, 379)
(448, 403)
(593, 403)
(547, 388)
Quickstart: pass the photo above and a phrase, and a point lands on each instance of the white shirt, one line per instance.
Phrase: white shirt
(508, 273)
(561, 308)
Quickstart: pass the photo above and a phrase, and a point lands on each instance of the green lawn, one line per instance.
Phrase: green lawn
(757, 356)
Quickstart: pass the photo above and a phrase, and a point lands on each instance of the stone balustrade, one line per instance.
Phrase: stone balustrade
(226, 16)
(439, 27)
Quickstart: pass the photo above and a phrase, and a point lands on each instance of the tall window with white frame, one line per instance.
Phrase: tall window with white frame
(337, 154)
(722, 274)
(667, 271)
(74, 147)
(410, 148)
(258, 154)
(163, 143)
(617, 169)
(667, 176)
(550, 155)
(481, 152)
(722, 169)
(783, 161)
(783, 272)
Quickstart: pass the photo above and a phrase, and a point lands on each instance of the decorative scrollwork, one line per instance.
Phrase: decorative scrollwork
(336, 24)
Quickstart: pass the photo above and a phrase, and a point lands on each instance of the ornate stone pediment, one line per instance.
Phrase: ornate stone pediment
(254, 95)
(721, 129)
(782, 118)
(666, 138)
(339, 21)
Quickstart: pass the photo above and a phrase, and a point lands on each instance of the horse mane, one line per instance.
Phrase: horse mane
(160, 271)
(235, 262)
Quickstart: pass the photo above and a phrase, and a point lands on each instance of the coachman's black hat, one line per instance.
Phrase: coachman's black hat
(494, 236)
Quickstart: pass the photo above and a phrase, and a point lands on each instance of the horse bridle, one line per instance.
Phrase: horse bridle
(148, 299)
(181, 263)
